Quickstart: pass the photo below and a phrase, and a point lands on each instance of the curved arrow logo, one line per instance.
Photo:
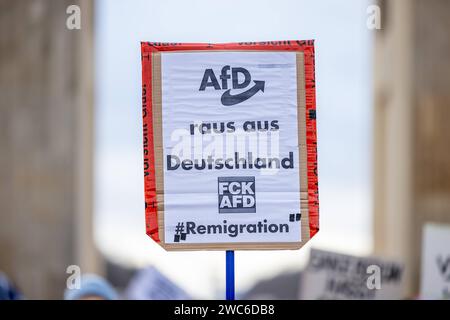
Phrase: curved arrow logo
(229, 100)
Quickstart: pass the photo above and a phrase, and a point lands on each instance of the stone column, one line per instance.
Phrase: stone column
(411, 130)
(46, 141)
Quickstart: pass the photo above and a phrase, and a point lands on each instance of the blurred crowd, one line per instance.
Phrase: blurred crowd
(92, 287)
(144, 284)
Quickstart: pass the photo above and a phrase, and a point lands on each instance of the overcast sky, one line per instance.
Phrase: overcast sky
(344, 101)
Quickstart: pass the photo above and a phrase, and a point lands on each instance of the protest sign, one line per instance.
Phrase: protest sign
(230, 156)
(435, 279)
(330, 275)
(150, 284)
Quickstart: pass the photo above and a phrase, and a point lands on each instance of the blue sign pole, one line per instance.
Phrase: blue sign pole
(230, 275)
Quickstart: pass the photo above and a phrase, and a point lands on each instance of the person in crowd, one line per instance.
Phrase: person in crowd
(8, 290)
(92, 287)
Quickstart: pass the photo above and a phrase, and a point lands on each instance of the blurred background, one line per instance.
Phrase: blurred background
(71, 169)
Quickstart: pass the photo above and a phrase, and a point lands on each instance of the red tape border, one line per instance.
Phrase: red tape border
(306, 46)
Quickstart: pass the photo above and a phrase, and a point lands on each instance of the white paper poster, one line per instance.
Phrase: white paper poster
(231, 149)
(150, 284)
(331, 275)
(435, 279)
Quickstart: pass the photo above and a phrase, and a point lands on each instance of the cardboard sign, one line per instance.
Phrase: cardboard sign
(150, 284)
(330, 275)
(230, 157)
(435, 280)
